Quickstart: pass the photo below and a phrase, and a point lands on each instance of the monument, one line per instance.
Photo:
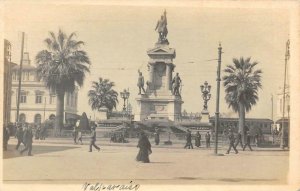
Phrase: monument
(162, 97)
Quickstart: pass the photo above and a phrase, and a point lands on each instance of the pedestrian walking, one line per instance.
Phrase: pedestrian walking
(75, 131)
(198, 139)
(5, 138)
(231, 143)
(79, 136)
(188, 140)
(144, 146)
(256, 137)
(207, 139)
(19, 136)
(239, 140)
(27, 138)
(248, 139)
(93, 139)
(38, 132)
(43, 132)
(156, 137)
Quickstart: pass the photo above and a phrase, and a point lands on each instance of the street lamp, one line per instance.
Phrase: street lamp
(125, 95)
(205, 89)
(217, 114)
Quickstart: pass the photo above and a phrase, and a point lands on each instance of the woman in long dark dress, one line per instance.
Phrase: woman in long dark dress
(145, 149)
(198, 139)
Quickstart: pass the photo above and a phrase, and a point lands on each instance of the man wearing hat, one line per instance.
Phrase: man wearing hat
(207, 139)
(19, 135)
(248, 138)
(188, 140)
(93, 138)
(239, 140)
(27, 138)
(231, 142)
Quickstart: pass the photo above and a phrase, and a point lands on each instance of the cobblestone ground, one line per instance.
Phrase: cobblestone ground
(60, 161)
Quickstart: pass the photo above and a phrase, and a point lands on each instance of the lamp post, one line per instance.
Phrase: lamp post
(205, 89)
(287, 57)
(124, 95)
(218, 98)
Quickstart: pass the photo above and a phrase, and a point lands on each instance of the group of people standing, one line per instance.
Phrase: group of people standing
(189, 143)
(24, 135)
(40, 132)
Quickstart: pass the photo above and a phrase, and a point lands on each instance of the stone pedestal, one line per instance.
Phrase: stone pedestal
(158, 107)
(158, 102)
(205, 116)
(103, 113)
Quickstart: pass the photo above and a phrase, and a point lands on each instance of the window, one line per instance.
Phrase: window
(68, 99)
(37, 118)
(23, 98)
(14, 76)
(76, 98)
(52, 99)
(22, 118)
(38, 98)
(27, 76)
(23, 76)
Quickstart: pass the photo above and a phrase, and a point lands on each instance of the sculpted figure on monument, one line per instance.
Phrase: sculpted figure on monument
(176, 82)
(140, 83)
(161, 28)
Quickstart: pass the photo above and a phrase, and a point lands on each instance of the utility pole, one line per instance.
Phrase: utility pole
(218, 98)
(45, 109)
(287, 56)
(272, 114)
(272, 107)
(20, 77)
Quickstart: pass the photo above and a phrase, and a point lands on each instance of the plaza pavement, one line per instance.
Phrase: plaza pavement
(60, 161)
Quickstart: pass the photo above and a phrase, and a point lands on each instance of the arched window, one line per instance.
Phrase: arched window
(52, 117)
(38, 118)
(22, 118)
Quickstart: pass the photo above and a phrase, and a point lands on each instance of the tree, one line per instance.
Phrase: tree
(102, 95)
(241, 84)
(62, 66)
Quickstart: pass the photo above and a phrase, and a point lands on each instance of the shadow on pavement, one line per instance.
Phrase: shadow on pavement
(161, 162)
(230, 179)
(246, 179)
(36, 150)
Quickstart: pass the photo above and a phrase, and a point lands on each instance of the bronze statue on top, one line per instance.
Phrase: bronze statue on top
(140, 83)
(176, 83)
(162, 30)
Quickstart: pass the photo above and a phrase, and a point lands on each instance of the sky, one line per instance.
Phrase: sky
(117, 38)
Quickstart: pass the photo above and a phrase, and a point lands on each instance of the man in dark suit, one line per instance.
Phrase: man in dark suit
(248, 139)
(239, 140)
(207, 139)
(188, 140)
(231, 142)
(93, 138)
(5, 138)
(27, 139)
(19, 135)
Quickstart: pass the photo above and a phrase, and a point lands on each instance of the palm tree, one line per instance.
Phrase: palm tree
(241, 84)
(62, 66)
(102, 95)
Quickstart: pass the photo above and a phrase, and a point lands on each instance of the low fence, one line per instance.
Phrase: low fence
(107, 133)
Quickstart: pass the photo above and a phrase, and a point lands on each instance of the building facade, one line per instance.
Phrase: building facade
(264, 125)
(7, 82)
(37, 103)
